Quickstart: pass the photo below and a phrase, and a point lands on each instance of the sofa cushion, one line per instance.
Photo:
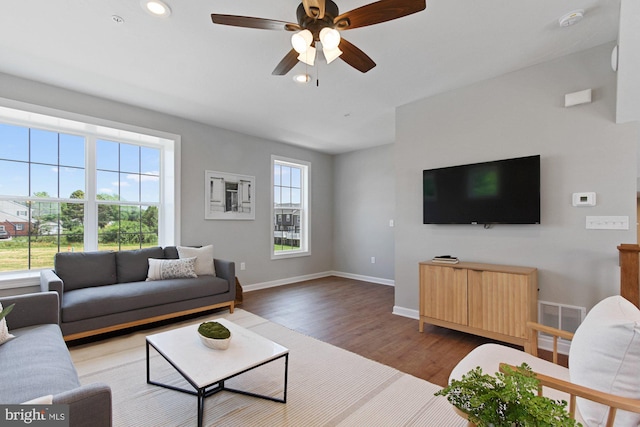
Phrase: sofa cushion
(104, 300)
(83, 269)
(36, 362)
(132, 266)
(605, 355)
(171, 252)
(204, 258)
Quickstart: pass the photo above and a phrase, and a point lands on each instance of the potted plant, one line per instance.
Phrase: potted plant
(214, 335)
(508, 399)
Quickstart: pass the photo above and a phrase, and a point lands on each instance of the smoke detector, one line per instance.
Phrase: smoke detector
(571, 18)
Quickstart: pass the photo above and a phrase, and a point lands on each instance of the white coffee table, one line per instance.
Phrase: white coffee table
(207, 369)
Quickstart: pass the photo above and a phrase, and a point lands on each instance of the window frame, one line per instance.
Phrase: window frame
(305, 228)
(33, 116)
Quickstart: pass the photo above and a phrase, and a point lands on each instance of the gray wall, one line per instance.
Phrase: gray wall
(519, 114)
(209, 148)
(364, 203)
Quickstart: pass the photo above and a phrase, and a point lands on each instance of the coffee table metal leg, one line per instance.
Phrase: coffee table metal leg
(200, 406)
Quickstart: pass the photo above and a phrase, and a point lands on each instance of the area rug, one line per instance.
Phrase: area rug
(327, 386)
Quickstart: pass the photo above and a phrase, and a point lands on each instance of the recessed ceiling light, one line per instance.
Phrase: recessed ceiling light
(156, 8)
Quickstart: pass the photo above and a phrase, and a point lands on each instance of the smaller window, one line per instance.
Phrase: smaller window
(290, 207)
(19, 227)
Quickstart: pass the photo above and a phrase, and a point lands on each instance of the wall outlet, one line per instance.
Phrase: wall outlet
(373, 260)
(242, 266)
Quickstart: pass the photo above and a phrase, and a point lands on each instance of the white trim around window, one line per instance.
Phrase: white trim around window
(295, 210)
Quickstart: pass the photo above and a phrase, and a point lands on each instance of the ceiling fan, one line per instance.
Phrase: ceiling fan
(320, 21)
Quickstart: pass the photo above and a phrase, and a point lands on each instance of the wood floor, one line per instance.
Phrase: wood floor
(357, 316)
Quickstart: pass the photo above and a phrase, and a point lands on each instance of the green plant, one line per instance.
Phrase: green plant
(506, 400)
(214, 330)
(6, 311)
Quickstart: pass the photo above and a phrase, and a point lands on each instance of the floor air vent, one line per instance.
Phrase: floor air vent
(561, 316)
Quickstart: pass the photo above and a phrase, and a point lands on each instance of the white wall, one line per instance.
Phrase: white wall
(208, 148)
(364, 203)
(514, 115)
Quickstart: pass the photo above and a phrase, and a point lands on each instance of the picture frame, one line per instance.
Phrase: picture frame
(229, 196)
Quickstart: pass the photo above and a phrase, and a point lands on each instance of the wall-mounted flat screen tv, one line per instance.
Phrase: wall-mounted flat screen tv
(498, 192)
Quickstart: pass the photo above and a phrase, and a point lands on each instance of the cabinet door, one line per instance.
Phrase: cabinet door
(444, 293)
(499, 302)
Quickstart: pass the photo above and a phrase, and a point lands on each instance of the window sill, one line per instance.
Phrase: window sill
(290, 255)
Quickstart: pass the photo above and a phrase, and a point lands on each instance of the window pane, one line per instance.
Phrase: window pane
(107, 155)
(295, 196)
(44, 146)
(44, 180)
(295, 178)
(286, 176)
(150, 188)
(286, 196)
(71, 150)
(129, 187)
(276, 175)
(150, 161)
(71, 181)
(108, 187)
(108, 227)
(15, 142)
(14, 179)
(276, 195)
(129, 158)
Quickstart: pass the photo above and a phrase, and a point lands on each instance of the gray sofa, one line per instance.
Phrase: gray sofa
(106, 291)
(37, 363)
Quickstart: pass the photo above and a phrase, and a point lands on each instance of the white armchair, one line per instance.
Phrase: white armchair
(602, 383)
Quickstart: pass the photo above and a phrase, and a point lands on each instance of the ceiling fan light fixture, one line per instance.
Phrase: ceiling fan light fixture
(331, 54)
(302, 78)
(329, 37)
(301, 41)
(308, 56)
(156, 8)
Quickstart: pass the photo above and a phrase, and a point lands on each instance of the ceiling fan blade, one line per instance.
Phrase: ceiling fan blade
(355, 57)
(314, 8)
(288, 62)
(380, 11)
(249, 22)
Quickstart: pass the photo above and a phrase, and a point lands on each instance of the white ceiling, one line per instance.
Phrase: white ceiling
(220, 75)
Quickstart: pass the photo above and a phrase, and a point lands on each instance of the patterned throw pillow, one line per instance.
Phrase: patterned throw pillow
(160, 269)
(4, 330)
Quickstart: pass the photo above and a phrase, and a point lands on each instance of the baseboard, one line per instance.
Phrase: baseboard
(546, 343)
(406, 312)
(290, 280)
(287, 281)
(378, 280)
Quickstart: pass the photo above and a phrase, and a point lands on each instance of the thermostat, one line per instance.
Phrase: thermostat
(584, 199)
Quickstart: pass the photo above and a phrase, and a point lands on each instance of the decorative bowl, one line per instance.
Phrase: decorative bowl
(218, 344)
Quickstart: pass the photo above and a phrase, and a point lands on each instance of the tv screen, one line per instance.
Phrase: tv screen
(498, 192)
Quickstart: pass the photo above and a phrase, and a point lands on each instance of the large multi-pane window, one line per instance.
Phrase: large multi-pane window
(73, 190)
(290, 207)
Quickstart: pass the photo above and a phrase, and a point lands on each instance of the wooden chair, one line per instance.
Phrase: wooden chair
(600, 328)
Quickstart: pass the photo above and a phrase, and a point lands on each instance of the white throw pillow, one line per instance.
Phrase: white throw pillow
(4, 330)
(42, 400)
(605, 355)
(204, 258)
(160, 269)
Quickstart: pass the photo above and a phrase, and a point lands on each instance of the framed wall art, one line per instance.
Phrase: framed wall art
(229, 196)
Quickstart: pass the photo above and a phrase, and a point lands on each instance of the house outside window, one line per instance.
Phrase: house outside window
(74, 187)
(290, 207)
